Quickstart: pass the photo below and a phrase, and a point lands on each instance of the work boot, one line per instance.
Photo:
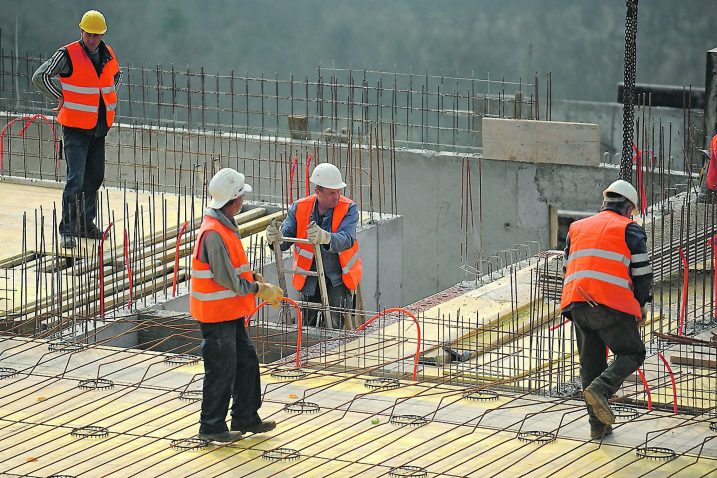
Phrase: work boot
(599, 404)
(599, 431)
(221, 438)
(706, 198)
(68, 242)
(92, 232)
(258, 427)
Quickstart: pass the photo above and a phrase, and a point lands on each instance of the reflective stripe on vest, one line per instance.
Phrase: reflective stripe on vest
(210, 275)
(598, 265)
(350, 261)
(609, 255)
(79, 107)
(303, 252)
(601, 276)
(347, 268)
(81, 91)
(213, 296)
(85, 90)
(209, 301)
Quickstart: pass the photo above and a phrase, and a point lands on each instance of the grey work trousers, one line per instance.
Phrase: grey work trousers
(596, 328)
(339, 298)
(231, 369)
(85, 158)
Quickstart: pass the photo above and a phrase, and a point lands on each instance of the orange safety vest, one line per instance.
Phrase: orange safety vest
(82, 89)
(598, 264)
(209, 301)
(712, 166)
(351, 267)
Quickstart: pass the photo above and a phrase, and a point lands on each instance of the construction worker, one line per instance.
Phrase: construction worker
(223, 293)
(608, 281)
(709, 185)
(89, 75)
(329, 219)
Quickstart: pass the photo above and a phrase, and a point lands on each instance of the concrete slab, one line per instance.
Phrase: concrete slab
(353, 431)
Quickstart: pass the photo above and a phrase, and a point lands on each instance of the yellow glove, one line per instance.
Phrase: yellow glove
(258, 277)
(269, 293)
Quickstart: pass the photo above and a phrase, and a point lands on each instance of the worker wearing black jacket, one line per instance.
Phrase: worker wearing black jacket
(608, 281)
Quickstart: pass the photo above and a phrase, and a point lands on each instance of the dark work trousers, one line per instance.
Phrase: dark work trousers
(339, 297)
(85, 157)
(595, 328)
(231, 369)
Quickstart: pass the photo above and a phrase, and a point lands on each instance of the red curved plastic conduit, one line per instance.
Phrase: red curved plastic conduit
(713, 243)
(29, 119)
(299, 323)
(637, 159)
(306, 182)
(647, 389)
(683, 305)
(102, 269)
(418, 332)
(291, 179)
(672, 379)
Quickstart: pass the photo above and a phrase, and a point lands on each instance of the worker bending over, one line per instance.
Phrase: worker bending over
(329, 219)
(223, 293)
(709, 183)
(608, 280)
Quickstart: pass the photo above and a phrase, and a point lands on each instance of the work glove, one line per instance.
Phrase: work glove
(272, 231)
(269, 293)
(317, 235)
(258, 277)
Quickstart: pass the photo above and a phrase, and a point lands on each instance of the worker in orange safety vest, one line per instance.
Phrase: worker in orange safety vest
(608, 281)
(89, 76)
(329, 219)
(223, 293)
(709, 185)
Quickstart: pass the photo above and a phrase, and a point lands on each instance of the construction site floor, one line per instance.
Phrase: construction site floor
(142, 408)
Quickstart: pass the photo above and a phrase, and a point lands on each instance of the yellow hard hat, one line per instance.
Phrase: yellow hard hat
(93, 22)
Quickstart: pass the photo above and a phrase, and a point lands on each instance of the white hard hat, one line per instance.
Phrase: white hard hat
(226, 185)
(624, 189)
(327, 175)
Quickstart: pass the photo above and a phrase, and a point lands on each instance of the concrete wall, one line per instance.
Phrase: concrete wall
(380, 244)
(515, 197)
(510, 199)
(608, 117)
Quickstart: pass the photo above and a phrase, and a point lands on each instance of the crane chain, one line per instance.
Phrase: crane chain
(628, 114)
